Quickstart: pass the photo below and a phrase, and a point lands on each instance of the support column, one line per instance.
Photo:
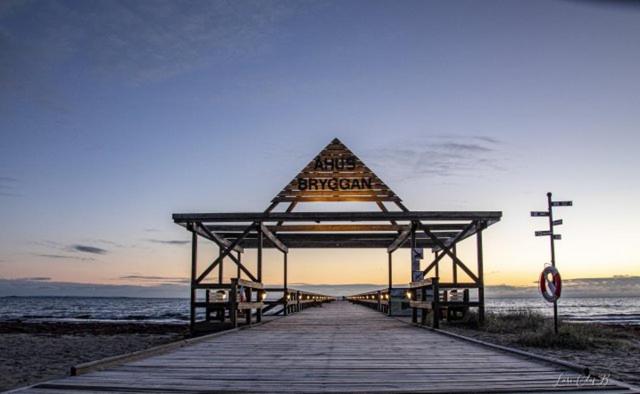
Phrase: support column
(194, 267)
(390, 283)
(239, 273)
(454, 266)
(480, 277)
(437, 264)
(220, 269)
(286, 290)
(259, 266)
(414, 267)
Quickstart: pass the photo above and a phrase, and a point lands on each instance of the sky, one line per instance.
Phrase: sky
(114, 115)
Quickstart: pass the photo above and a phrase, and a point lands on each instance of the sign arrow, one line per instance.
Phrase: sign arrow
(539, 213)
(557, 236)
(557, 222)
(562, 203)
(541, 233)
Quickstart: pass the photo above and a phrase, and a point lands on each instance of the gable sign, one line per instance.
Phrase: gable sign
(336, 174)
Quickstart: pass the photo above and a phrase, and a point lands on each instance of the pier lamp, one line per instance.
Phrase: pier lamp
(408, 294)
(263, 296)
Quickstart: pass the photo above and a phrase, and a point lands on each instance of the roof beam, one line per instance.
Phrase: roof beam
(489, 216)
(274, 240)
(212, 236)
(402, 238)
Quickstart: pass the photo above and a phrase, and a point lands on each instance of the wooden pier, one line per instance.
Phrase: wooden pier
(340, 347)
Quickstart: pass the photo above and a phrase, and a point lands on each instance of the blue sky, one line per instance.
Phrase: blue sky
(113, 115)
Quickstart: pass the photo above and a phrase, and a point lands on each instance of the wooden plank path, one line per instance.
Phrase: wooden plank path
(339, 347)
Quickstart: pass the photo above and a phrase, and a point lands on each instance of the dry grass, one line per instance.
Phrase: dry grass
(532, 329)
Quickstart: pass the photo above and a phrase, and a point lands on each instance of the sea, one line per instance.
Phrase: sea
(606, 310)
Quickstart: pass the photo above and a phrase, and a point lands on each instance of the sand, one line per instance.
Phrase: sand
(32, 353)
(620, 361)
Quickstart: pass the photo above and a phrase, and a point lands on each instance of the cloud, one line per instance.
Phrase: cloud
(8, 186)
(62, 257)
(155, 278)
(37, 278)
(168, 241)
(442, 156)
(88, 249)
(29, 287)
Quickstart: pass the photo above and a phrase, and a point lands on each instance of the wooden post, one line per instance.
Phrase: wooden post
(259, 268)
(239, 273)
(390, 283)
(247, 297)
(413, 249)
(207, 298)
(423, 312)
(379, 299)
(437, 265)
(436, 302)
(286, 303)
(194, 267)
(553, 258)
(480, 277)
(233, 302)
(454, 267)
(220, 272)
(414, 311)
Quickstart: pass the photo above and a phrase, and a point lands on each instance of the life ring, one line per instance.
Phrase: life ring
(550, 284)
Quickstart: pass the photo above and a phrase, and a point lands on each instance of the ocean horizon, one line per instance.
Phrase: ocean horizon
(605, 310)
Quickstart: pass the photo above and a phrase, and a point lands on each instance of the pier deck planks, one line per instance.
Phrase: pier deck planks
(339, 347)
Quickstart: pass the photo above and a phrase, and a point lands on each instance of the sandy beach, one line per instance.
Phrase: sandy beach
(610, 349)
(35, 352)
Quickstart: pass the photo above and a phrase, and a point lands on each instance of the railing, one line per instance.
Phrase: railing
(239, 298)
(294, 300)
(452, 302)
(377, 299)
(244, 299)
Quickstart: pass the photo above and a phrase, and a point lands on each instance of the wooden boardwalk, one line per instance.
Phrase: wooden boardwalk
(339, 347)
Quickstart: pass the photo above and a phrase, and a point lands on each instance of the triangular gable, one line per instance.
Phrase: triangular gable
(336, 174)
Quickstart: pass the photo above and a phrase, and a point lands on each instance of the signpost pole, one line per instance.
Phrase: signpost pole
(553, 259)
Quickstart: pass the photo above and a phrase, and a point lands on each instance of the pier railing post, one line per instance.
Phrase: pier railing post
(260, 242)
(480, 277)
(436, 302)
(233, 302)
(194, 263)
(414, 310)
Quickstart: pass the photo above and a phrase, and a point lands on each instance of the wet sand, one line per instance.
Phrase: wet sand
(35, 352)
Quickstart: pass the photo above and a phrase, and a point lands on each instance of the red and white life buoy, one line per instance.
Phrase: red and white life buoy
(550, 284)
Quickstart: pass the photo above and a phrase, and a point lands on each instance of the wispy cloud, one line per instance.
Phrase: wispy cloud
(62, 256)
(167, 241)
(155, 278)
(88, 249)
(439, 156)
(36, 278)
(62, 251)
(8, 186)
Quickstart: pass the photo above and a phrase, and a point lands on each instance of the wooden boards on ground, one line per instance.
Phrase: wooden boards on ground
(337, 348)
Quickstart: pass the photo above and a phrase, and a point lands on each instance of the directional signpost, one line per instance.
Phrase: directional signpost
(552, 238)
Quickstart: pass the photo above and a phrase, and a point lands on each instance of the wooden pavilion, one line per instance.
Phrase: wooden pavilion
(335, 175)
